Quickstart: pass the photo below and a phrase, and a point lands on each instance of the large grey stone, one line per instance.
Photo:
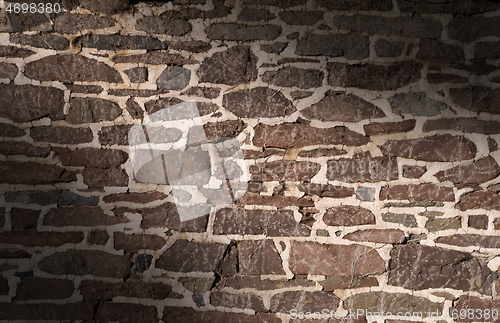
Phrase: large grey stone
(174, 78)
(417, 104)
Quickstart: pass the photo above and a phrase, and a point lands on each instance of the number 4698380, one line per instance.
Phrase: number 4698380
(33, 7)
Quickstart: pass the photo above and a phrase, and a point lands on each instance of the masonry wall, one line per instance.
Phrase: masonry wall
(370, 138)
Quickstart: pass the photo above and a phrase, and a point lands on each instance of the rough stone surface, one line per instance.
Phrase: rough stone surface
(8, 71)
(239, 32)
(465, 240)
(87, 110)
(255, 15)
(68, 23)
(417, 192)
(102, 158)
(159, 57)
(385, 128)
(478, 222)
(23, 218)
(284, 171)
(137, 74)
(61, 198)
(260, 101)
(8, 130)
(80, 216)
(303, 301)
(33, 173)
(48, 41)
(347, 282)
(437, 224)
(94, 290)
(375, 235)
(486, 50)
(461, 8)
(348, 215)
(44, 288)
(362, 168)
(62, 135)
(181, 314)
(132, 243)
(163, 25)
(116, 42)
(388, 48)
(55, 312)
(434, 50)
(416, 104)
(408, 220)
(32, 238)
(478, 172)
(174, 78)
(101, 177)
(351, 46)
(477, 99)
(245, 301)
(481, 199)
(467, 303)
(259, 257)
(12, 51)
(105, 6)
(356, 5)
(468, 29)
(293, 76)
(301, 17)
(325, 190)
(126, 312)
(22, 148)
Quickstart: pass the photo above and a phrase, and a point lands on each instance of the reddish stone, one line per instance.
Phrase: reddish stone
(23, 218)
(363, 168)
(33, 173)
(136, 93)
(98, 237)
(478, 172)
(284, 171)
(142, 198)
(186, 256)
(465, 240)
(245, 301)
(224, 129)
(53, 312)
(204, 108)
(44, 288)
(434, 148)
(380, 236)
(334, 260)
(379, 128)
(467, 125)
(259, 102)
(413, 171)
(126, 313)
(434, 50)
(187, 314)
(348, 215)
(480, 199)
(24, 103)
(156, 58)
(99, 177)
(80, 216)
(259, 257)
(114, 135)
(478, 221)
(132, 243)
(92, 157)
(327, 190)
(303, 301)
(242, 282)
(271, 223)
(496, 224)
(164, 215)
(477, 99)
(62, 135)
(8, 130)
(134, 109)
(12, 51)
(71, 68)
(252, 154)
(291, 135)
(32, 238)
(278, 201)
(322, 152)
(294, 77)
(96, 290)
(477, 305)
(86, 262)
(8, 71)
(347, 282)
(22, 148)
(417, 192)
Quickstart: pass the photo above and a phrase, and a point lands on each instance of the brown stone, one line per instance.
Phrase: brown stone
(385, 128)
(375, 235)
(194, 46)
(33, 173)
(142, 198)
(255, 15)
(420, 267)
(85, 89)
(322, 152)
(480, 199)
(24, 218)
(98, 237)
(239, 32)
(252, 154)
(224, 129)
(363, 168)
(134, 109)
(80, 216)
(126, 312)
(105, 6)
(338, 106)
(118, 42)
(478, 221)
(467, 125)
(469, 29)
(136, 93)
(259, 257)
(101, 177)
(477, 305)
(418, 192)
(301, 17)
(388, 48)
(334, 260)
(187, 314)
(303, 301)
(374, 77)
(348, 215)
(24, 103)
(477, 99)
(156, 58)
(44, 288)
(8, 71)
(54, 312)
(357, 5)
(164, 215)
(71, 68)
(294, 77)
(436, 78)
(18, 254)
(347, 282)
(243, 282)
(271, 223)
(92, 157)
(204, 92)
(12, 51)
(290, 135)
(86, 262)
(327, 190)
(204, 108)
(278, 201)
(133, 243)
(163, 25)
(8, 148)
(413, 171)
(434, 50)
(32, 238)
(260, 102)
(492, 145)
(48, 41)
(8, 130)
(245, 301)
(88, 110)
(443, 224)
(97, 291)
(114, 135)
(465, 240)
(466, 8)
(62, 135)
(478, 172)
(486, 50)
(186, 256)
(284, 170)
(433, 148)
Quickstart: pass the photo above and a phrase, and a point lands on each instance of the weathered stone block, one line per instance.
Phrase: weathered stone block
(132, 243)
(163, 25)
(62, 135)
(375, 235)
(89, 110)
(73, 23)
(80, 216)
(362, 168)
(303, 301)
(8, 71)
(239, 32)
(434, 50)
(97, 291)
(259, 257)
(294, 77)
(467, 125)
(44, 288)
(33, 173)
(348, 215)
(417, 192)
(438, 224)
(389, 48)
(478, 172)
(32, 238)
(468, 29)
(352, 45)
(477, 99)
(174, 78)
(417, 104)
(245, 301)
(408, 220)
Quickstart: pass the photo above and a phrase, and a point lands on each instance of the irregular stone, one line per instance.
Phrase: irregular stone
(137, 74)
(134, 109)
(61, 198)
(365, 194)
(97, 291)
(164, 215)
(479, 222)
(44, 288)
(224, 129)
(443, 224)
(92, 157)
(24, 103)
(105, 6)
(244, 282)
(284, 171)
(22, 22)
(204, 92)
(327, 190)
(416, 27)
(8, 71)
(90, 110)
(374, 77)
(486, 50)
(357, 5)
(125, 312)
(362, 168)
(85, 89)
(375, 235)
(101, 177)
(467, 125)
(143, 262)
(193, 46)
(274, 48)
(425, 203)
(133, 243)
(347, 282)
(466, 240)
(163, 25)
(468, 29)
(198, 285)
(255, 15)
(477, 99)
(492, 145)
(303, 301)
(352, 45)
(71, 68)
(12, 51)
(294, 77)
(32, 238)
(98, 237)
(260, 102)
(436, 78)
(157, 57)
(73, 23)
(279, 201)
(8, 130)
(22, 148)
(376, 302)
(434, 148)
(33, 173)
(408, 220)
(136, 93)
(311, 258)
(413, 171)
(233, 66)
(385, 128)
(416, 104)
(477, 305)
(142, 198)
(115, 135)
(47, 311)
(80, 216)
(162, 103)
(419, 267)
(480, 199)
(348, 215)
(301, 17)
(338, 106)
(478, 172)
(321, 152)
(119, 42)
(62, 135)
(389, 48)
(418, 192)
(174, 78)
(434, 50)
(187, 314)
(245, 301)
(24, 218)
(48, 41)
(271, 223)
(466, 8)
(239, 32)
(259, 257)
(187, 256)
(290, 135)
(297, 95)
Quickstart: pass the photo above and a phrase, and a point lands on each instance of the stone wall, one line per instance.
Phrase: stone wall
(370, 137)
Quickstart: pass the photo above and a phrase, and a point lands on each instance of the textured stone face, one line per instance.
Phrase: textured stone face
(363, 168)
(8, 71)
(87, 110)
(468, 30)
(352, 45)
(73, 23)
(380, 236)
(348, 215)
(253, 302)
(303, 301)
(417, 192)
(293, 76)
(260, 101)
(379, 128)
(81, 216)
(357, 5)
(467, 125)
(387, 48)
(416, 104)
(478, 172)
(259, 257)
(481, 199)
(33, 173)
(62, 135)
(163, 25)
(477, 99)
(174, 78)
(239, 32)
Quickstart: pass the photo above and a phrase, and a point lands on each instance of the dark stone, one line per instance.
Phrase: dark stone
(108, 7)
(24, 218)
(8, 130)
(86, 216)
(32, 238)
(163, 25)
(347, 282)
(418, 192)
(46, 311)
(436, 78)
(294, 77)
(301, 17)
(11, 51)
(327, 190)
(244, 301)
(8, 71)
(125, 312)
(198, 300)
(89, 110)
(193, 46)
(417, 104)
(274, 48)
(363, 168)
(466, 8)
(49, 41)
(413, 171)
(62, 198)
(91, 157)
(98, 237)
(466, 125)
(68, 23)
(297, 95)
(62, 135)
(480, 171)
(259, 257)
(20, 22)
(187, 314)
(120, 42)
(348, 215)
(115, 135)
(434, 50)
(137, 74)
(143, 262)
(477, 99)
(36, 288)
(132, 243)
(136, 93)
(486, 50)
(352, 45)
(302, 301)
(468, 29)
(156, 58)
(85, 89)
(255, 15)
(33, 173)
(467, 240)
(379, 128)
(101, 177)
(174, 78)
(238, 32)
(92, 290)
(389, 48)
(204, 92)
(479, 222)
(357, 5)
(260, 102)
(22, 148)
